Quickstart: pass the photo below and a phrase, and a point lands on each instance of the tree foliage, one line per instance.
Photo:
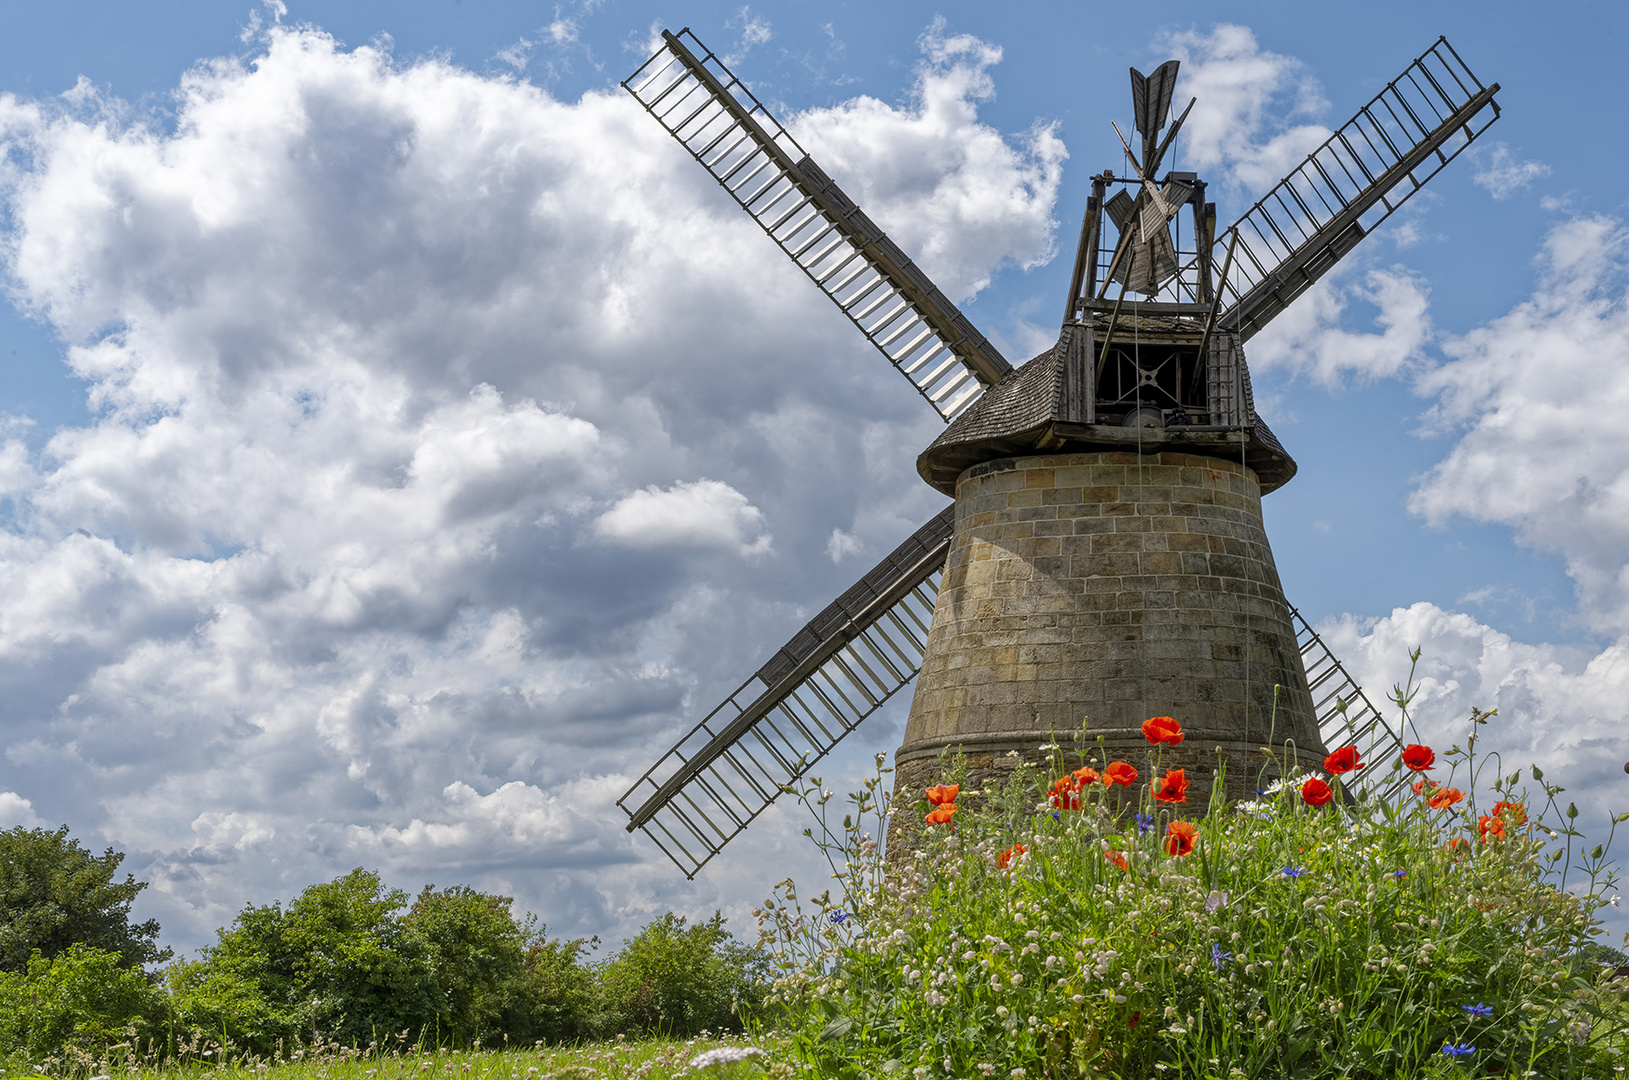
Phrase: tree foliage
(54, 894)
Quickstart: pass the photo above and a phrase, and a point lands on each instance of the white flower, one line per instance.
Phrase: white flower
(725, 1055)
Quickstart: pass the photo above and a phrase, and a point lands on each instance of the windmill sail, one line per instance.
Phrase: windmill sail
(899, 310)
(1151, 103)
(1357, 179)
(835, 672)
(1345, 715)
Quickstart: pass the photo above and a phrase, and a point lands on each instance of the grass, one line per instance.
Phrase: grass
(653, 1058)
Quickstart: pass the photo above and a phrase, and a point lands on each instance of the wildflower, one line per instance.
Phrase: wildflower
(1478, 1009)
(724, 1055)
(1215, 900)
(1144, 823)
(1344, 760)
(1179, 837)
(1459, 1051)
(1118, 772)
(1419, 758)
(1162, 729)
(1085, 775)
(939, 815)
(838, 917)
(1490, 826)
(1424, 785)
(1315, 792)
(1399, 874)
(1010, 855)
(943, 794)
(1294, 871)
(1444, 798)
(1219, 956)
(1458, 845)
(1513, 812)
(1114, 857)
(1065, 794)
(1172, 787)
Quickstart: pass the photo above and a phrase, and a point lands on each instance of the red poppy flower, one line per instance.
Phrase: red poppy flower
(1115, 858)
(1315, 792)
(1065, 794)
(1419, 758)
(1085, 775)
(1344, 760)
(1172, 787)
(1513, 812)
(1118, 772)
(1162, 729)
(1179, 838)
(1425, 786)
(1010, 856)
(1458, 846)
(943, 794)
(1488, 826)
(1445, 797)
(941, 814)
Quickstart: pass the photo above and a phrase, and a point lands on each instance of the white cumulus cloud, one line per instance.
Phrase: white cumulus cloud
(703, 513)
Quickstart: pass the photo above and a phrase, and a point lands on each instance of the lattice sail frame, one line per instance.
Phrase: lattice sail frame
(1358, 178)
(899, 310)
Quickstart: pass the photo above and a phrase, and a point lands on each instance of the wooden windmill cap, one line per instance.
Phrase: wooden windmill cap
(1034, 411)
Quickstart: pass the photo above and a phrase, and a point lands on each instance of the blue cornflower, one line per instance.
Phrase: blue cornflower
(1054, 815)
(1478, 1009)
(1145, 822)
(1461, 1050)
(1220, 956)
(839, 917)
(1399, 874)
(1294, 871)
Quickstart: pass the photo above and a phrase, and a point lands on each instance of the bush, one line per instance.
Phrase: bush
(1362, 938)
(476, 952)
(562, 994)
(78, 1002)
(679, 980)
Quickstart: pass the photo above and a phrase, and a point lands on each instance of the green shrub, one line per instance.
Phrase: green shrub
(1363, 938)
(476, 952)
(78, 1002)
(680, 980)
(561, 993)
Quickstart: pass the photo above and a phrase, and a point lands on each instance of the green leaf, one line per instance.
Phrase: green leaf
(837, 1029)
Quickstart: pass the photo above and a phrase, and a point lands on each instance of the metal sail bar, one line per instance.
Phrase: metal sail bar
(1347, 718)
(899, 310)
(835, 672)
(1357, 179)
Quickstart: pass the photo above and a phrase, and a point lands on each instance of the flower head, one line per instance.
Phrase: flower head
(1115, 858)
(1514, 813)
(1419, 758)
(1478, 1009)
(1344, 760)
(1488, 826)
(943, 794)
(1215, 901)
(1065, 794)
(1443, 798)
(838, 917)
(1294, 871)
(1172, 787)
(724, 1055)
(1458, 1051)
(1179, 836)
(1085, 775)
(939, 815)
(1118, 772)
(1144, 823)
(1010, 856)
(1220, 956)
(1315, 792)
(1162, 729)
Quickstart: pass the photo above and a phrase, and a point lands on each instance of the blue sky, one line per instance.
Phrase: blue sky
(345, 341)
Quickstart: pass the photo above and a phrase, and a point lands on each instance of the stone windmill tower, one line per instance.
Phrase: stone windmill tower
(1104, 556)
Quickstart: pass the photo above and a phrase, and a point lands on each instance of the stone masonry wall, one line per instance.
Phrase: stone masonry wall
(1102, 589)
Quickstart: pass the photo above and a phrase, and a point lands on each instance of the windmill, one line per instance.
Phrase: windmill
(1104, 555)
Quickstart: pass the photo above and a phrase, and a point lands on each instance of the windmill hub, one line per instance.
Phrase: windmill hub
(1104, 559)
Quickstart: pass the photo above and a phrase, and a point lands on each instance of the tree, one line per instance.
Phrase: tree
(55, 894)
(678, 979)
(477, 952)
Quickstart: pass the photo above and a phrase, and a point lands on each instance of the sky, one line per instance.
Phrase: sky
(402, 441)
